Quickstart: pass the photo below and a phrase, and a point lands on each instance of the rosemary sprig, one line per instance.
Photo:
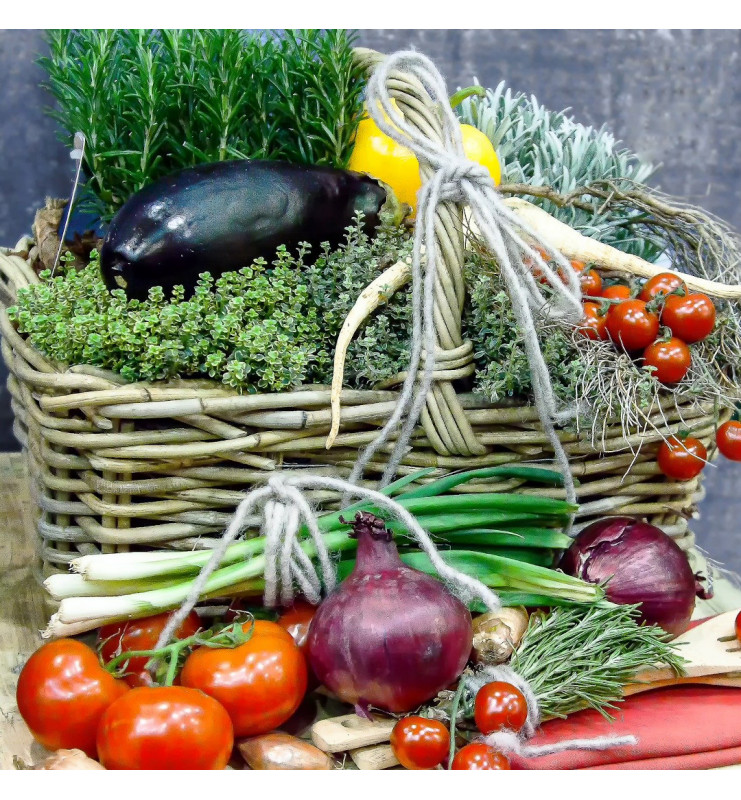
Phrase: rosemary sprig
(581, 658)
(576, 658)
(152, 101)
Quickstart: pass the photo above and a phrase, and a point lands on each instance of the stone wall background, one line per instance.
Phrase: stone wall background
(674, 97)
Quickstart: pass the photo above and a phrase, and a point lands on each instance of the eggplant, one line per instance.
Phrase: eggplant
(220, 217)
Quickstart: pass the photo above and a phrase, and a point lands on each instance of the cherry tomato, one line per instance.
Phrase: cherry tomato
(682, 460)
(62, 693)
(618, 291)
(260, 683)
(296, 621)
(728, 439)
(594, 324)
(671, 359)
(499, 705)
(691, 318)
(165, 727)
(738, 626)
(591, 283)
(663, 283)
(140, 634)
(420, 743)
(479, 756)
(631, 325)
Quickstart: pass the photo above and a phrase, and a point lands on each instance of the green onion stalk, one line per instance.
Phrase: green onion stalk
(507, 541)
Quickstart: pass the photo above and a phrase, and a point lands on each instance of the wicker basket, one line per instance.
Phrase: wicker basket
(117, 465)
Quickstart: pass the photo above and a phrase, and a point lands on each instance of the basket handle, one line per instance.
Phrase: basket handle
(442, 418)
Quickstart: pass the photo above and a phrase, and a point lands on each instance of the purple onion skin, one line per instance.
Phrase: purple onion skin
(388, 636)
(641, 564)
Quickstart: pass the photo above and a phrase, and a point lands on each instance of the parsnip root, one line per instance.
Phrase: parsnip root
(381, 289)
(574, 245)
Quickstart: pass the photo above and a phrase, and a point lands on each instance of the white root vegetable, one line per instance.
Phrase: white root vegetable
(378, 291)
(573, 245)
(556, 234)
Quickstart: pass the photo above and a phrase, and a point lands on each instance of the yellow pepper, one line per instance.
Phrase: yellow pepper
(379, 156)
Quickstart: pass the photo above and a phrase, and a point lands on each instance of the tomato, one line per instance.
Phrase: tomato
(296, 621)
(499, 705)
(631, 325)
(140, 634)
(682, 460)
(663, 283)
(618, 291)
(420, 743)
(671, 359)
(594, 324)
(591, 283)
(379, 156)
(62, 693)
(738, 626)
(479, 756)
(263, 627)
(691, 318)
(728, 439)
(165, 727)
(260, 683)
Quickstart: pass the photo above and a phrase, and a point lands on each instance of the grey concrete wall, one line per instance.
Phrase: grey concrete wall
(672, 96)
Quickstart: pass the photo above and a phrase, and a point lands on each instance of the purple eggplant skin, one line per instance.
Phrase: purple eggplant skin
(220, 217)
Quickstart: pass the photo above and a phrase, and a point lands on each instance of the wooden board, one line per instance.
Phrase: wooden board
(22, 607)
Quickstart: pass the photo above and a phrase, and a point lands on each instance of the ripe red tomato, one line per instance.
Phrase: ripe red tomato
(671, 359)
(140, 634)
(631, 325)
(663, 283)
(499, 705)
(420, 743)
(618, 291)
(62, 693)
(594, 324)
(296, 620)
(260, 683)
(682, 460)
(264, 627)
(479, 756)
(591, 283)
(728, 439)
(691, 318)
(165, 727)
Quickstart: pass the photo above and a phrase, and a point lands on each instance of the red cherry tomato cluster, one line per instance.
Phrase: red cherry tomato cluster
(250, 685)
(634, 325)
(420, 743)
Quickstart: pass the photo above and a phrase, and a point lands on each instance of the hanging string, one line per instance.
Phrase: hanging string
(460, 180)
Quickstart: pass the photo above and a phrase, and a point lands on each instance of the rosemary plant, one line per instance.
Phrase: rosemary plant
(150, 102)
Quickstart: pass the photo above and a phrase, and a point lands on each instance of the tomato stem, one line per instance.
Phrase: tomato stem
(228, 637)
(453, 714)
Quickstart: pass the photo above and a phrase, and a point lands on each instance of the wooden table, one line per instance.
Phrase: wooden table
(23, 611)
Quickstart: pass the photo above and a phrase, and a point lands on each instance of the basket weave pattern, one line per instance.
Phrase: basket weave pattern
(117, 465)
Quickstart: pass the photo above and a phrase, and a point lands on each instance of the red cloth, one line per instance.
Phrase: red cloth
(680, 727)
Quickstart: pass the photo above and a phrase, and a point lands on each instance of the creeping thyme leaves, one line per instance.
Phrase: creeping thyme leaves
(266, 328)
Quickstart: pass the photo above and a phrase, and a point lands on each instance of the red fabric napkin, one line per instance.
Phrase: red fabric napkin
(681, 727)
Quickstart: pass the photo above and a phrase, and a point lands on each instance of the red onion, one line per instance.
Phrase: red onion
(641, 564)
(388, 636)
